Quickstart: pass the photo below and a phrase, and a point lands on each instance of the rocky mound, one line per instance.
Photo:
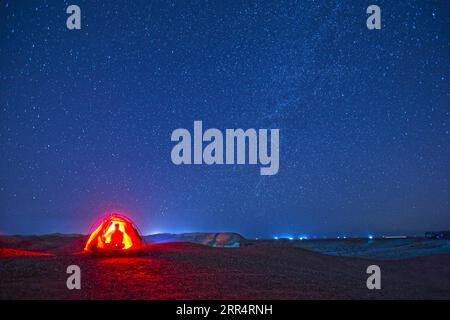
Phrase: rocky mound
(56, 242)
(221, 240)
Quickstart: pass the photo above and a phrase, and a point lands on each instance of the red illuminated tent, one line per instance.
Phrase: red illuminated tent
(116, 235)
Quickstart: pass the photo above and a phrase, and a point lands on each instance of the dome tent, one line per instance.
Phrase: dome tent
(115, 235)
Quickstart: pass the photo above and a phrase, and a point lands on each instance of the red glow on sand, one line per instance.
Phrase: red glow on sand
(10, 253)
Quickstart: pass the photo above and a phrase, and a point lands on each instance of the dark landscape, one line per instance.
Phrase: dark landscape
(34, 267)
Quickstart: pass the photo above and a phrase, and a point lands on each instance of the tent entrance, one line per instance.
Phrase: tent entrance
(110, 231)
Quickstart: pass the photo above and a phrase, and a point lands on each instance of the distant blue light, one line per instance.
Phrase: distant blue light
(276, 238)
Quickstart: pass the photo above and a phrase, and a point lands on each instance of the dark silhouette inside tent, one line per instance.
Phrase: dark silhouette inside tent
(117, 237)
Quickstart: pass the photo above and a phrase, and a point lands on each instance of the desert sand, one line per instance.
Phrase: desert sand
(35, 268)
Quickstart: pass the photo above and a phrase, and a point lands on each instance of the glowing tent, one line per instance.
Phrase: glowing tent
(116, 234)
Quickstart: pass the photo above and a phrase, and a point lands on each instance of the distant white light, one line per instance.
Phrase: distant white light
(290, 238)
(276, 238)
(370, 237)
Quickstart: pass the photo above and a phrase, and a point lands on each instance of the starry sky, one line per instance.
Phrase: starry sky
(364, 116)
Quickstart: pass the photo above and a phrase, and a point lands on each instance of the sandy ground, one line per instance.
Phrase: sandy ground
(259, 270)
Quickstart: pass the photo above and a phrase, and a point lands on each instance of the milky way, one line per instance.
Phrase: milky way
(364, 116)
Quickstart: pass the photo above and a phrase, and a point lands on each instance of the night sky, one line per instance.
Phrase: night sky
(364, 116)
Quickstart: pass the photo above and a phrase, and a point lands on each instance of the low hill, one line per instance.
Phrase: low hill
(222, 240)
